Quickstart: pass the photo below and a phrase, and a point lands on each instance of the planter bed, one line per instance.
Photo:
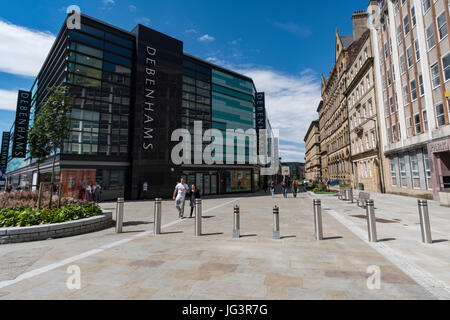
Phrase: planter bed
(56, 230)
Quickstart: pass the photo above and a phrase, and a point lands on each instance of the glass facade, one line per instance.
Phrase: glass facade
(99, 74)
(233, 107)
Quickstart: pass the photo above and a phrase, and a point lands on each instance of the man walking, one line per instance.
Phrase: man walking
(179, 195)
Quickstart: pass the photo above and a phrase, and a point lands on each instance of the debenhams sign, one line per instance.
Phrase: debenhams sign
(21, 125)
(149, 101)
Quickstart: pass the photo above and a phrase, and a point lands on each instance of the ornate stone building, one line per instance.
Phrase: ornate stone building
(363, 109)
(333, 113)
(313, 163)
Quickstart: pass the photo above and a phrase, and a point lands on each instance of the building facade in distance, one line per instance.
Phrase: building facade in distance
(131, 91)
(412, 59)
(313, 158)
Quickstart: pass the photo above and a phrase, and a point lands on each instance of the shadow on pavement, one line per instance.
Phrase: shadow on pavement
(440, 241)
(212, 234)
(288, 237)
(248, 235)
(333, 238)
(387, 240)
(135, 223)
(174, 232)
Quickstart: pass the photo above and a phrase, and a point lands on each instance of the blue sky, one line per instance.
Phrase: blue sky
(284, 46)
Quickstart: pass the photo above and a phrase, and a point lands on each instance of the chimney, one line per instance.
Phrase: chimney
(359, 19)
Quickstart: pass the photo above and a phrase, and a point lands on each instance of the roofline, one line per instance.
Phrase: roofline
(219, 67)
(107, 24)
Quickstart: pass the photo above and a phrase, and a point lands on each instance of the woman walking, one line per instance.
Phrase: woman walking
(284, 186)
(272, 188)
(295, 188)
(194, 195)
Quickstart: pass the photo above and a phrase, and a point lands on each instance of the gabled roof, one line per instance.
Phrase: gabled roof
(346, 41)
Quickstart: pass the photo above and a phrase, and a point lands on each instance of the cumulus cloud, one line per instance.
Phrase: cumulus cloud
(132, 8)
(206, 38)
(22, 50)
(8, 100)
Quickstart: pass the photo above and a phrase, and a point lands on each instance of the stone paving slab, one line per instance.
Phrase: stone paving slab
(178, 265)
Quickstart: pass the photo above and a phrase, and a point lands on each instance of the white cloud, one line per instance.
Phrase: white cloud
(145, 21)
(291, 100)
(190, 31)
(206, 38)
(108, 2)
(8, 100)
(22, 50)
(132, 8)
(295, 29)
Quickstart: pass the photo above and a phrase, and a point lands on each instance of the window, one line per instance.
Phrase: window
(391, 104)
(426, 5)
(417, 123)
(394, 132)
(389, 78)
(442, 26)
(408, 127)
(363, 89)
(446, 66)
(421, 88)
(435, 80)
(413, 16)
(426, 163)
(416, 47)
(409, 57)
(425, 120)
(366, 54)
(370, 108)
(415, 170)
(368, 81)
(405, 96)
(406, 24)
(440, 116)
(386, 50)
(402, 64)
(413, 90)
(399, 35)
(374, 142)
(393, 172)
(431, 41)
(367, 142)
(403, 171)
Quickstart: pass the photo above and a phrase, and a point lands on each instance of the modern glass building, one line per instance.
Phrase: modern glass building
(130, 91)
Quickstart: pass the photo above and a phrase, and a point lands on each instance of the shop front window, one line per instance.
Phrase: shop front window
(238, 181)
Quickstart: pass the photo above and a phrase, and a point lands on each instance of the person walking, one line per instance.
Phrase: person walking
(97, 193)
(88, 194)
(272, 188)
(179, 196)
(295, 188)
(194, 194)
(284, 187)
(265, 186)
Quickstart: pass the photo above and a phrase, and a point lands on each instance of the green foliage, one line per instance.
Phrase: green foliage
(320, 188)
(31, 217)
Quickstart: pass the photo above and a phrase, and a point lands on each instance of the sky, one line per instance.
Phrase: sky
(284, 46)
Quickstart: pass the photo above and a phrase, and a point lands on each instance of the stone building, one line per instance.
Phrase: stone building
(412, 63)
(312, 147)
(333, 112)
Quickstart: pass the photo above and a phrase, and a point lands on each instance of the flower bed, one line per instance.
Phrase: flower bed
(25, 217)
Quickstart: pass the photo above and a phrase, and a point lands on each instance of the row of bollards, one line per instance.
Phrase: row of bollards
(318, 226)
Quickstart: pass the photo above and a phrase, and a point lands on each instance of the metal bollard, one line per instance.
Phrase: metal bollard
(157, 219)
(198, 217)
(318, 228)
(119, 214)
(350, 195)
(425, 222)
(371, 221)
(237, 223)
(276, 223)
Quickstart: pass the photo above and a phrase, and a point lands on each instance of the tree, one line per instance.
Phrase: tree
(51, 127)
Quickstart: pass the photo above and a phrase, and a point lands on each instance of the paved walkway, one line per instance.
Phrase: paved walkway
(177, 265)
